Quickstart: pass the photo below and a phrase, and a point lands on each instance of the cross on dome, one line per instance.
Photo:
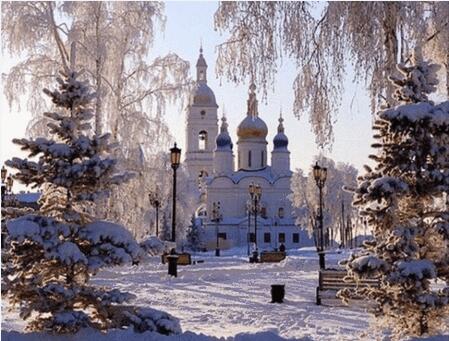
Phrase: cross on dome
(252, 101)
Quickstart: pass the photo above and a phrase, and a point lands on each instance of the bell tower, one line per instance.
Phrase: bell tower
(201, 125)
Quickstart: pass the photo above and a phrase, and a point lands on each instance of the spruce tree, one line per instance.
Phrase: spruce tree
(401, 198)
(54, 251)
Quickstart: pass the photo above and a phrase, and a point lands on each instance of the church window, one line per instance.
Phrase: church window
(262, 159)
(202, 139)
(281, 237)
(295, 238)
(249, 158)
(281, 212)
(222, 235)
(267, 238)
(263, 212)
(202, 78)
(203, 113)
(252, 237)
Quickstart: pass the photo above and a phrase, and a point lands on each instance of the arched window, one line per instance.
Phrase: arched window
(263, 212)
(203, 113)
(281, 212)
(249, 158)
(262, 159)
(201, 76)
(239, 161)
(202, 140)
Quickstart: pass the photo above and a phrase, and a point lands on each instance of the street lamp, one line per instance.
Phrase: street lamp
(175, 158)
(216, 217)
(3, 174)
(255, 192)
(156, 203)
(9, 183)
(320, 174)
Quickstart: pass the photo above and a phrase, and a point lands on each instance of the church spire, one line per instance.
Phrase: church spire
(252, 101)
(281, 123)
(201, 67)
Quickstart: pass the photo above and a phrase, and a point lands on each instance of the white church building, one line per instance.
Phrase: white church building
(224, 175)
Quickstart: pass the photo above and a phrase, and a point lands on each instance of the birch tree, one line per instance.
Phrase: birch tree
(305, 196)
(323, 40)
(113, 41)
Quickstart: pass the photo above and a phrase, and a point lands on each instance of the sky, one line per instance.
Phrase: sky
(190, 23)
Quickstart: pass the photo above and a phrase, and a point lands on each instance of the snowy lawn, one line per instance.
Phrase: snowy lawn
(225, 296)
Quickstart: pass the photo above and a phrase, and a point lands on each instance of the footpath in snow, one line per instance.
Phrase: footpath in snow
(226, 298)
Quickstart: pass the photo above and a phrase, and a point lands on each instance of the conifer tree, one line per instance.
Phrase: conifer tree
(54, 251)
(401, 198)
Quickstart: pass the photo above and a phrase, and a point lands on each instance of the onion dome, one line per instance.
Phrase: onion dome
(223, 139)
(252, 127)
(280, 141)
(204, 96)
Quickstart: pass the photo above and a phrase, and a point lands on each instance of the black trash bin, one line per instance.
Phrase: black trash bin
(277, 293)
(173, 265)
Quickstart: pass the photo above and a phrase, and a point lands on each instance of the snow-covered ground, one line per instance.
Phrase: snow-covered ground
(226, 296)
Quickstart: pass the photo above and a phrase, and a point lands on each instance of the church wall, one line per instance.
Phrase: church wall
(256, 148)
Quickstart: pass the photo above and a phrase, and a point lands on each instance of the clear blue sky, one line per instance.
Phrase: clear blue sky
(187, 24)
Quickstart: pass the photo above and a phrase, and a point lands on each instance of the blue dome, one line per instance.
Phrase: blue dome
(280, 141)
(223, 139)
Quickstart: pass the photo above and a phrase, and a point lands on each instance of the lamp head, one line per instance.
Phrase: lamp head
(3, 173)
(9, 183)
(175, 156)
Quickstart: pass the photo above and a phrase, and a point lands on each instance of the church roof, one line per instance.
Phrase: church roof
(280, 141)
(201, 61)
(223, 140)
(204, 96)
(265, 173)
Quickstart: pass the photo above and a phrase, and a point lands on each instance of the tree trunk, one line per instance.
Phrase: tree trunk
(391, 47)
(447, 75)
(98, 71)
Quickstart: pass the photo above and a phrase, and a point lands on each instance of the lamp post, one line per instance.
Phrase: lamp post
(3, 175)
(248, 234)
(216, 217)
(320, 174)
(255, 192)
(156, 203)
(175, 158)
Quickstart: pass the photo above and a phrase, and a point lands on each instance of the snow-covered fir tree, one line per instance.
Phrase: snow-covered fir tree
(195, 235)
(56, 250)
(400, 199)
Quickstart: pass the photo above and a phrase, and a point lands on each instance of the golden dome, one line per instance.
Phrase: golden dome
(252, 127)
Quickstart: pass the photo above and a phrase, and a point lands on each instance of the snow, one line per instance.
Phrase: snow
(437, 115)
(69, 253)
(22, 228)
(154, 246)
(420, 268)
(230, 298)
(28, 197)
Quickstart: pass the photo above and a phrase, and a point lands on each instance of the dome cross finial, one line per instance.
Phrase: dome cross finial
(252, 101)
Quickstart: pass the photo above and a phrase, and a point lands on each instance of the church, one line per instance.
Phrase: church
(226, 209)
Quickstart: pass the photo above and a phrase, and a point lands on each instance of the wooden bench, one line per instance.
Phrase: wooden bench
(330, 281)
(183, 259)
(272, 256)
